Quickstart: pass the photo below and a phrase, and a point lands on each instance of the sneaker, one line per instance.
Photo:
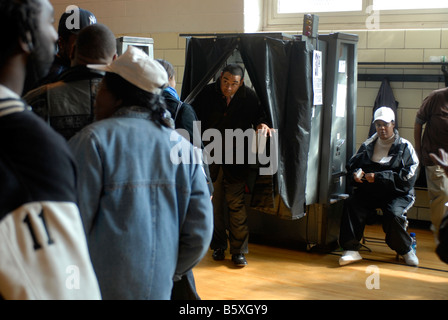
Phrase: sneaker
(349, 257)
(410, 258)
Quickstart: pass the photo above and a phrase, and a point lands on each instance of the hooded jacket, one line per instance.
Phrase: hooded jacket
(395, 176)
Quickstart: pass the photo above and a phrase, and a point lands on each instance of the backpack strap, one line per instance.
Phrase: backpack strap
(179, 106)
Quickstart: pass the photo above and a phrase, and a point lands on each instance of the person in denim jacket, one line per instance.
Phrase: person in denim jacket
(146, 211)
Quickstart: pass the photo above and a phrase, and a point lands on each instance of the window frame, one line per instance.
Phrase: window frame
(409, 10)
(303, 12)
(355, 20)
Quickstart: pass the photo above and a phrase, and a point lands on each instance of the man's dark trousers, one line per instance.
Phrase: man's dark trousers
(229, 212)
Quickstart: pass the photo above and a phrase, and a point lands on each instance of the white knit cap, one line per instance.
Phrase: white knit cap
(139, 69)
(385, 114)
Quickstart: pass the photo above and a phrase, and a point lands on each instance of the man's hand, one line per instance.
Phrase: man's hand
(360, 176)
(370, 177)
(442, 160)
(265, 130)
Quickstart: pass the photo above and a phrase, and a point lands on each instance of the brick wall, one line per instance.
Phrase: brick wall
(164, 20)
(398, 46)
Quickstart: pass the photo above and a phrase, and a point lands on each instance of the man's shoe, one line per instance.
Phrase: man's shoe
(349, 257)
(410, 258)
(239, 260)
(218, 254)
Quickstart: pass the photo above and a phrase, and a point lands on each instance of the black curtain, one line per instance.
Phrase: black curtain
(204, 57)
(280, 71)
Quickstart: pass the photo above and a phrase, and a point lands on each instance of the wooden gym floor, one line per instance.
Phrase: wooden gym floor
(276, 273)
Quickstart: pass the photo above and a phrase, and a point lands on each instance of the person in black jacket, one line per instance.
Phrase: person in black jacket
(182, 113)
(184, 117)
(68, 104)
(384, 173)
(223, 106)
(43, 247)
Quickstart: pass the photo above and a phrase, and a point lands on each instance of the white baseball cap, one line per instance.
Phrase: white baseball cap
(139, 69)
(385, 114)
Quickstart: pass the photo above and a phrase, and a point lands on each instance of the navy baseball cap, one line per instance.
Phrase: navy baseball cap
(74, 20)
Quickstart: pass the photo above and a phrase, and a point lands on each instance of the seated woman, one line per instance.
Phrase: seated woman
(384, 173)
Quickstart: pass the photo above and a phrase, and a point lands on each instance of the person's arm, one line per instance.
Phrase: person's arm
(196, 231)
(353, 166)
(418, 128)
(185, 120)
(259, 118)
(90, 174)
(199, 103)
(262, 122)
(264, 129)
(404, 180)
(423, 116)
(441, 160)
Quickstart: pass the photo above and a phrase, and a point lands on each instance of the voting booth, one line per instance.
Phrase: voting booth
(307, 85)
(144, 44)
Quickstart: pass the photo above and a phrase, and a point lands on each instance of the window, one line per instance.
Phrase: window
(340, 15)
(409, 4)
(307, 6)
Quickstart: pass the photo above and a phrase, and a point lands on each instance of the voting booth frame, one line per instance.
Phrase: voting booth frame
(308, 87)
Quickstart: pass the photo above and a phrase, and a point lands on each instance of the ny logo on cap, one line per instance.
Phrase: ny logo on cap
(73, 21)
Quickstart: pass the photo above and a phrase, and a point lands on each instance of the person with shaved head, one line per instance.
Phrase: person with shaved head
(68, 104)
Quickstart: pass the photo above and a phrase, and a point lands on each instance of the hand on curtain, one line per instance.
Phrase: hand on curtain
(264, 129)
